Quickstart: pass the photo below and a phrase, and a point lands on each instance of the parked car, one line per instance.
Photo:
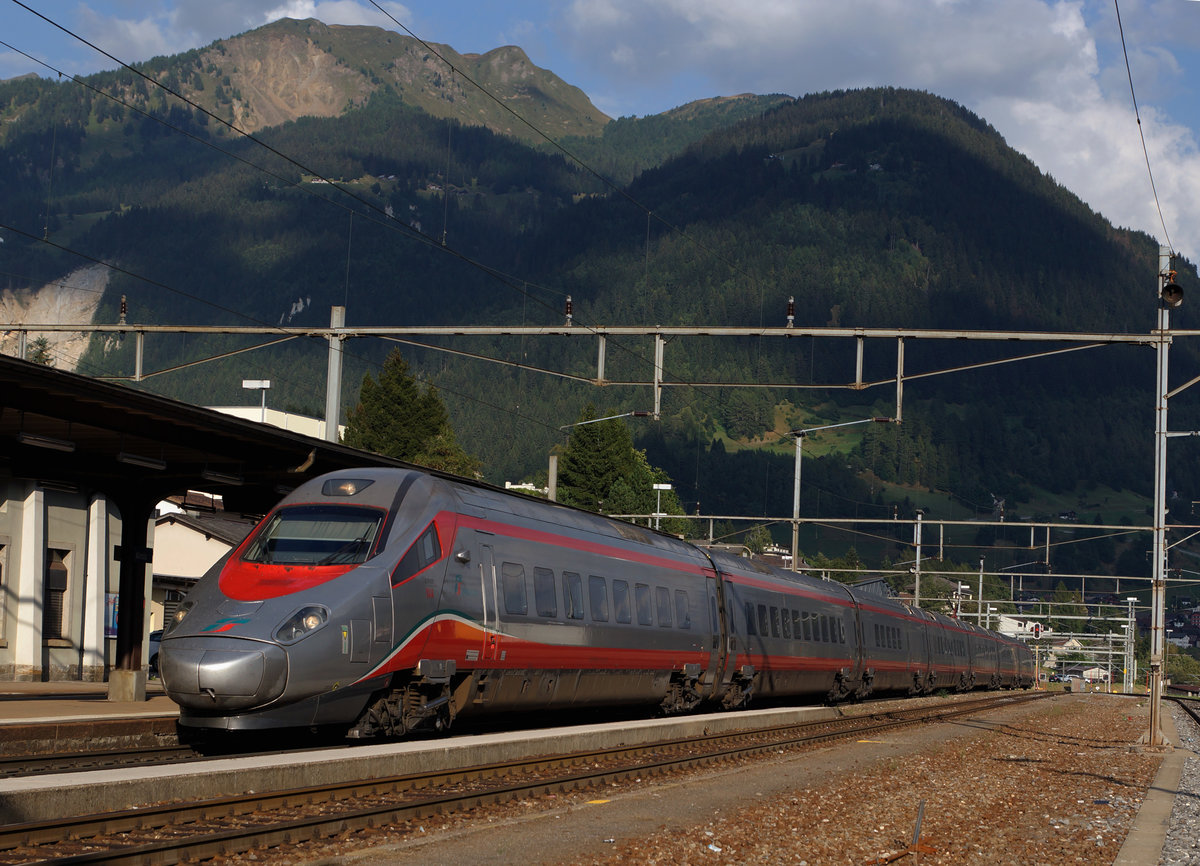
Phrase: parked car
(152, 651)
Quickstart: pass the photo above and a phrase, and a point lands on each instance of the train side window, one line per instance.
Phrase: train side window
(807, 618)
(899, 639)
(543, 593)
(573, 594)
(774, 621)
(841, 632)
(712, 609)
(764, 621)
(796, 628)
(825, 628)
(787, 624)
(641, 600)
(750, 629)
(598, 597)
(662, 599)
(512, 583)
(683, 609)
(878, 636)
(621, 611)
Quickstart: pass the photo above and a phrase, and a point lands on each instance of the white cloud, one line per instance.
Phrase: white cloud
(1031, 68)
(337, 12)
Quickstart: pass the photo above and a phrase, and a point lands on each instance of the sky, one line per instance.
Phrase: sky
(1049, 75)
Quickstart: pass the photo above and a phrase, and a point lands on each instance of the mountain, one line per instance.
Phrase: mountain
(386, 186)
(292, 69)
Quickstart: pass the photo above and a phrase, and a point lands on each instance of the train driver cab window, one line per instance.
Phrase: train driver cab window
(512, 584)
(621, 611)
(317, 535)
(543, 593)
(573, 594)
(425, 551)
(598, 596)
(641, 600)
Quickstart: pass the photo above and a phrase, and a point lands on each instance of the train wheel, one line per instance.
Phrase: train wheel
(683, 696)
(840, 690)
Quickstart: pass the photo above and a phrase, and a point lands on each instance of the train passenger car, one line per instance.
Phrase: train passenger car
(788, 634)
(387, 600)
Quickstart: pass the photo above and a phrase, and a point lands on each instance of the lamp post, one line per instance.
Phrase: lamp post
(263, 385)
(658, 489)
(964, 590)
(979, 599)
(799, 437)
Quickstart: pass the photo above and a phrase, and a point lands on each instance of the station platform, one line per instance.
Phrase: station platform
(73, 701)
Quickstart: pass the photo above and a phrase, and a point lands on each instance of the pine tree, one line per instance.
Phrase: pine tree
(602, 471)
(396, 418)
(39, 352)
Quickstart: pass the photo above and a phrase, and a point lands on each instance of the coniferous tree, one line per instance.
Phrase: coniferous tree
(396, 418)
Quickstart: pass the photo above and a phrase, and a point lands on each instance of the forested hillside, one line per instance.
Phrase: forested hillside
(873, 208)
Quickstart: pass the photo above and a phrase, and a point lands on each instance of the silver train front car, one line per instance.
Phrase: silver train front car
(293, 627)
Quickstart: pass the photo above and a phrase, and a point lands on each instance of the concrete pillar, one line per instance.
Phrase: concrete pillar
(27, 643)
(94, 656)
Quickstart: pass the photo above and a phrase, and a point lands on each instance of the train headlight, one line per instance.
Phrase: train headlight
(301, 623)
(178, 617)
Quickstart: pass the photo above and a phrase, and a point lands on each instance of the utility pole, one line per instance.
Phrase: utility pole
(333, 376)
(1169, 297)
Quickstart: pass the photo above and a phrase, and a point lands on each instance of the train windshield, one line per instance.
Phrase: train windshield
(316, 535)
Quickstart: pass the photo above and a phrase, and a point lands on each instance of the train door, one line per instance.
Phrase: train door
(718, 653)
(491, 616)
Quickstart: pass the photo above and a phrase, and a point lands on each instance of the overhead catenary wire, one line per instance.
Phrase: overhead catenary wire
(375, 214)
(512, 282)
(521, 286)
(1141, 133)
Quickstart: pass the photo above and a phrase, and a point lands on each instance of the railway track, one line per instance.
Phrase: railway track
(198, 830)
(14, 766)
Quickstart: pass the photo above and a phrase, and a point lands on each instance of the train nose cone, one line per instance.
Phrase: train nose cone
(220, 674)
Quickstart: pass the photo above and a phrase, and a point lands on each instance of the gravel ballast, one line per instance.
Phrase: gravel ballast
(1048, 783)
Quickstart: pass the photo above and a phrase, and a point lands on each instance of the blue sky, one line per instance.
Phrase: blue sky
(1050, 76)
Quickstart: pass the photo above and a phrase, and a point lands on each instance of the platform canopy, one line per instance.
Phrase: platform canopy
(71, 432)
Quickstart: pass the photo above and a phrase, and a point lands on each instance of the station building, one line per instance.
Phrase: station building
(91, 558)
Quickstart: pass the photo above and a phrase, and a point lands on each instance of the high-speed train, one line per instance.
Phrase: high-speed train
(390, 600)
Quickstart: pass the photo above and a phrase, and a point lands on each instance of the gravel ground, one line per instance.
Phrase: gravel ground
(1182, 845)
(1056, 785)
(1040, 784)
